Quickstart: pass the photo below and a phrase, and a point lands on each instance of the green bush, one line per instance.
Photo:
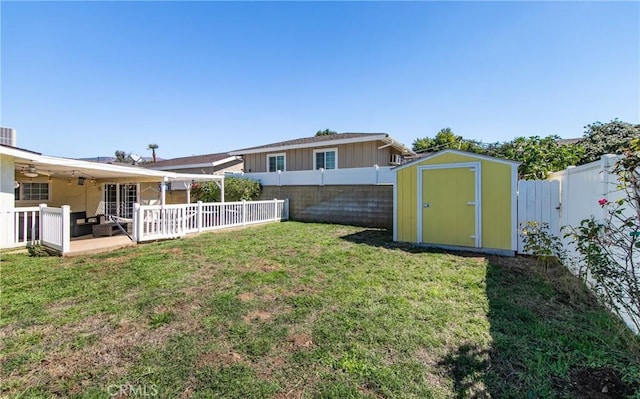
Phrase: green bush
(235, 189)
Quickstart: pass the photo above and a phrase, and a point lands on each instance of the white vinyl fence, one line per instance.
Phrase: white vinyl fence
(154, 222)
(538, 201)
(370, 176)
(567, 198)
(55, 228)
(26, 225)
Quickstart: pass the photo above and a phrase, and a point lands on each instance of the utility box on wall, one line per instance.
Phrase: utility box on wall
(457, 200)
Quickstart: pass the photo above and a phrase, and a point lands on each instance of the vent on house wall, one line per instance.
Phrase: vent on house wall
(8, 136)
(396, 159)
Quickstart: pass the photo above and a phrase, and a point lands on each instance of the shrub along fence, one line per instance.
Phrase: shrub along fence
(588, 211)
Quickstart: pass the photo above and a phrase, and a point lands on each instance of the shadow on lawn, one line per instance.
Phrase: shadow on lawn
(549, 337)
(384, 239)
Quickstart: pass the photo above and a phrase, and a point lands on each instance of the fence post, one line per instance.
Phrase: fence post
(139, 227)
(607, 162)
(244, 212)
(275, 209)
(322, 176)
(199, 216)
(66, 229)
(285, 209)
(40, 215)
(377, 173)
(136, 221)
(566, 190)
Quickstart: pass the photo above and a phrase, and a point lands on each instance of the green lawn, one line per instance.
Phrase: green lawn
(295, 310)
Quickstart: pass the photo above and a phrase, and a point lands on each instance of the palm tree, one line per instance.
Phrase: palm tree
(153, 148)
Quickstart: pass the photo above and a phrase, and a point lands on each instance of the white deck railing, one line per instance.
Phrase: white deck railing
(373, 175)
(55, 228)
(26, 225)
(154, 222)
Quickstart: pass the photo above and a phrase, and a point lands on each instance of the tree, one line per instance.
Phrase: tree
(325, 132)
(538, 156)
(123, 157)
(153, 148)
(235, 189)
(445, 139)
(607, 138)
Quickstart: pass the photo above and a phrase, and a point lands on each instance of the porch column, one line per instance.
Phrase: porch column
(163, 191)
(7, 201)
(222, 190)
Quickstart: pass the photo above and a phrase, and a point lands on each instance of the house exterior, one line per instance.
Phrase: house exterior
(341, 178)
(29, 179)
(457, 200)
(328, 152)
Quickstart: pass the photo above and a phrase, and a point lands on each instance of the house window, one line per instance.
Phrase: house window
(325, 159)
(32, 192)
(276, 162)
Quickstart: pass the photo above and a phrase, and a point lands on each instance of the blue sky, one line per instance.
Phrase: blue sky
(82, 79)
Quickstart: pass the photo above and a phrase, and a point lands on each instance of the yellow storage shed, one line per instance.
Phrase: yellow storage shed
(457, 200)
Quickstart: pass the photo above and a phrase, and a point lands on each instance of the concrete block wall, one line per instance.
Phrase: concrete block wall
(359, 205)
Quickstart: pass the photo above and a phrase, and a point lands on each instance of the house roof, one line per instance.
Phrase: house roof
(67, 168)
(450, 151)
(195, 161)
(326, 140)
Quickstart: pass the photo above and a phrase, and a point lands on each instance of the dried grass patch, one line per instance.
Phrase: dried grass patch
(260, 315)
(219, 359)
(299, 341)
(246, 296)
(110, 356)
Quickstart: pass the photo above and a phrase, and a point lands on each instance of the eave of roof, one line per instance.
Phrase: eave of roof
(61, 166)
(323, 141)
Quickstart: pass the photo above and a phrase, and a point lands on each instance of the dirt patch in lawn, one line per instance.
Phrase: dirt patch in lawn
(299, 341)
(599, 383)
(246, 296)
(260, 315)
(219, 359)
(436, 376)
(263, 265)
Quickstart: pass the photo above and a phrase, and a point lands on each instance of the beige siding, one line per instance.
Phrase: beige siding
(354, 155)
(86, 197)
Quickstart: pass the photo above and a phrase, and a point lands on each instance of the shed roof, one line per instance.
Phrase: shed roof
(450, 151)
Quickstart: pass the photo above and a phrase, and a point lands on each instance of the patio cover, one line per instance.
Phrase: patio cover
(73, 168)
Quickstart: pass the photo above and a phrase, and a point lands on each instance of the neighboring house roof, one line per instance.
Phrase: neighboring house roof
(329, 139)
(449, 151)
(66, 167)
(113, 160)
(196, 161)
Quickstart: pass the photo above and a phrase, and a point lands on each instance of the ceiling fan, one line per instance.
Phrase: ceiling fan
(31, 171)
